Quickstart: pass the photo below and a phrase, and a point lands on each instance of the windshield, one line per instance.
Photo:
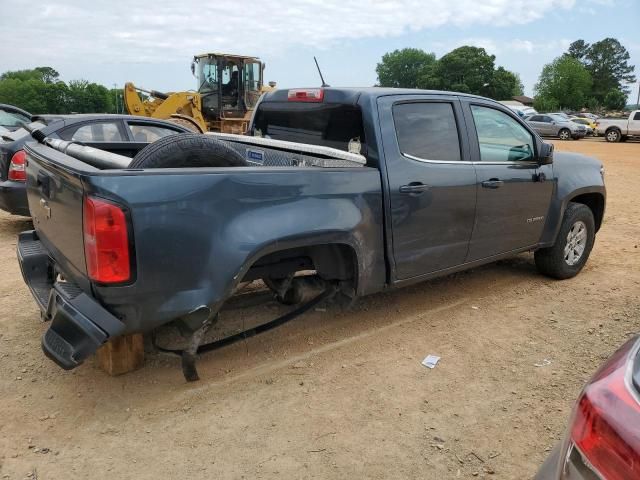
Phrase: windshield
(207, 74)
(12, 120)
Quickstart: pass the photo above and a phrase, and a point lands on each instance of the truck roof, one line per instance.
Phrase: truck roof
(352, 94)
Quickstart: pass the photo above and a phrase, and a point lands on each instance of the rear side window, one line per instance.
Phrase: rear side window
(325, 124)
(149, 133)
(93, 132)
(636, 116)
(427, 131)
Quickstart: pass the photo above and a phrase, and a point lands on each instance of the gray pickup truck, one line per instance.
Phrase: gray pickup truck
(359, 190)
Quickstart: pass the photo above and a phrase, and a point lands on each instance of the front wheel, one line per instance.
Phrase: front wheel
(575, 240)
(564, 134)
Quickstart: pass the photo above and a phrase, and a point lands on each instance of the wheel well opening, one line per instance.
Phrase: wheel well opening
(595, 202)
(331, 262)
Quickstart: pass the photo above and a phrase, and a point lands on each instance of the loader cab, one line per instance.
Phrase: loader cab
(230, 85)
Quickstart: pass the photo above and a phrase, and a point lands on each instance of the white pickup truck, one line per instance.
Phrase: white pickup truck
(619, 129)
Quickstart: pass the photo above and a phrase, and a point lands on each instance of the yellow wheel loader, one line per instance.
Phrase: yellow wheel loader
(229, 87)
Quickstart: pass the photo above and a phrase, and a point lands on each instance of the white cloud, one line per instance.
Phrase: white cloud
(117, 31)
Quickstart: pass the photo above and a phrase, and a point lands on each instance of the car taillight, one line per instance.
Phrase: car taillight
(306, 95)
(17, 171)
(106, 241)
(606, 422)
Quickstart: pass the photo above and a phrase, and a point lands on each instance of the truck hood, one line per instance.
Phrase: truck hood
(568, 163)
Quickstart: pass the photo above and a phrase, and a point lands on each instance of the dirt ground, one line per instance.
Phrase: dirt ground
(341, 394)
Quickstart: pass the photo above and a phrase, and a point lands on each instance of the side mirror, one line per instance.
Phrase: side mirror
(545, 157)
(193, 68)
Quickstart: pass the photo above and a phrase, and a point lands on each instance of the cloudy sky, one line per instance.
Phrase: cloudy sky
(152, 43)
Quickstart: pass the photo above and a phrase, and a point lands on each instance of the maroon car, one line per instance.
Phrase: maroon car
(603, 438)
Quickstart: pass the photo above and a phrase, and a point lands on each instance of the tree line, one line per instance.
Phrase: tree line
(465, 69)
(40, 91)
(592, 76)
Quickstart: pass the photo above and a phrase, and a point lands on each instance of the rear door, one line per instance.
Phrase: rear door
(536, 123)
(547, 126)
(432, 194)
(513, 190)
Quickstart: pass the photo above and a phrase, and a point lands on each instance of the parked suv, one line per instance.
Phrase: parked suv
(555, 125)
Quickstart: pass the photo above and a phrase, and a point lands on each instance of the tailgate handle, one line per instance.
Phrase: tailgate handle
(44, 183)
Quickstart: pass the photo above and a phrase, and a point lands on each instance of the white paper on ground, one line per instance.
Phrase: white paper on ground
(431, 361)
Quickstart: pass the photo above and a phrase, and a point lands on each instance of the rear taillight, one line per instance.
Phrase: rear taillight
(306, 95)
(106, 241)
(606, 422)
(17, 171)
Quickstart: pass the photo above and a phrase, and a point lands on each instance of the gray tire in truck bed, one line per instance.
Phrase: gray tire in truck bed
(187, 150)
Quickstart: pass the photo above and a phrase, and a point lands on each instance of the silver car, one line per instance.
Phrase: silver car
(555, 125)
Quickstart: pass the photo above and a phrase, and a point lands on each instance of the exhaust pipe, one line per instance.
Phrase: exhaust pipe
(90, 155)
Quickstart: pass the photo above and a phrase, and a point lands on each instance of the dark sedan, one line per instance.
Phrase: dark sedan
(11, 118)
(122, 134)
(603, 438)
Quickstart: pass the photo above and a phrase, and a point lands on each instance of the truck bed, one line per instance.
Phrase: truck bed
(195, 233)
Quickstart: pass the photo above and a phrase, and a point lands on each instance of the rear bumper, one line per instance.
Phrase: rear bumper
(79, 324)
(13, 198)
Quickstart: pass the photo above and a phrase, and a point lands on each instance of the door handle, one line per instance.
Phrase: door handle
(414, 187)
(493, 183)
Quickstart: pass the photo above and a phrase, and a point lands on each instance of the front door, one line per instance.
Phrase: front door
(634, 124)
(431, 182)
(514, 191)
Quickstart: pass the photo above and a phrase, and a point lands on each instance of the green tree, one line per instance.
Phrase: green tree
(578, 50)
(608, 63)
(505, 84)
(40, 90)
(464, 69)
(545, 104)
(403, 68)
(564, 82)
(615, 100)
(26, 94)
(43, 74)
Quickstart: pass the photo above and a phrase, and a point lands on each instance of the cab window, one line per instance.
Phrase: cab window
(427, 131)
(500, 137)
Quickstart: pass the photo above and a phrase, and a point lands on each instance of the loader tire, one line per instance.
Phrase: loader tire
(187, 150)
